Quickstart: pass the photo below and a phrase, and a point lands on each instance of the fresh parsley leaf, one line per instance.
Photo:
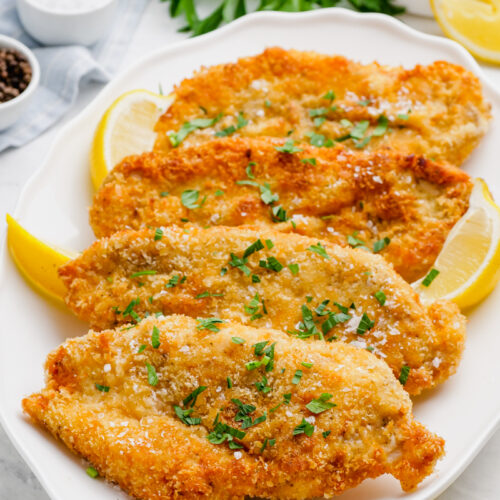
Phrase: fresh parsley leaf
(155, 337)
(382, 125)
(152, 375)
(365, 324)
(191, 398)
(288, 147)
(403, 376)
(189, 197)
(320, 250)
(431, 276)
(92, 472)
(311, 161)
(320, 404)
(158, 234)
(304, 428)
(294, 269)
(188, 127)
(380, 296)
(296, 378)
(381, 244)
(209, 324)
(184, 416)
(102, 388)
(238, 340)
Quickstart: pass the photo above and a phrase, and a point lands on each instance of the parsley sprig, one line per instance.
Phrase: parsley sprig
(228, 10)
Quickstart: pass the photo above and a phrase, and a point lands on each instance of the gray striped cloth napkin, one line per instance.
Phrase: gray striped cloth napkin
(65, 68)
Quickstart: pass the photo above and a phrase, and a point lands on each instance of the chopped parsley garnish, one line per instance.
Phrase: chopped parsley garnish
(209, 324)
(362, 143)
(296, 378)
(191, 398)
(318, 121)
(141, 348)
(238, 340)
(239, 264)
(321, 404)
(330, 95)
(381, 244)
(175, 280)
(102, 388)
(229, 382)
(365, 324)
(354, 241)
(311, 161)
(223, 432)
(381, 128)
(294, 269)
(320, 250)
(259, 347)
(253, 308)
(143, 273)
(164, 194)
(307, 365)
(158, 234)
(254, 247)
(319, 140)
(206, 293)
(279, 214)
(364, 102)
(219, 192)
(189, 198)
(326, 434)
(358, 131)
(155, 337)
(267, 441)
(92, 472)
(307, 327)
(269, 244)
(268, 356)
(272, 263)
(266, 195)
(152, 376)
(346, 123)
(184, 416)
(188, 127)
(318, 112)
(243, 415)
(304, 428)
(263, 386)
(431, 276)
(403, 376)
(288, 147)
(240, 122)
(267, 103)
(380, 296)
(223, 271)
(129, 310)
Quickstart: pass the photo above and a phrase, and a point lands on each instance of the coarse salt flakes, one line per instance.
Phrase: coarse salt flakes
(237, 455)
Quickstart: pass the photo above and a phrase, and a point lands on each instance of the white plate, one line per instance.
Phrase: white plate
(465, 410)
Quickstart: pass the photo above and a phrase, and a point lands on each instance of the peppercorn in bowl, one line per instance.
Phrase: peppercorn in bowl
(19, 78)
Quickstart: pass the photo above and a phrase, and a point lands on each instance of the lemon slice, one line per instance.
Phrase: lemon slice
(473, 23)
(37, 261)
(469, 263)
(126, 128)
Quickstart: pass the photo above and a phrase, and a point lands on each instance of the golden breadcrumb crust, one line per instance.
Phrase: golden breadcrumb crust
(407, 198)
(133, 437)
(437, 110)
(193, 276)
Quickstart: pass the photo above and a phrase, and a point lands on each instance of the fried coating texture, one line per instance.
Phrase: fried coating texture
(189, 271)
(384, 194)
(437, 110)
(132, 435)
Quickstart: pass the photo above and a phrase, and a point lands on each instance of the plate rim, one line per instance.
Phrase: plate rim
(335, 13)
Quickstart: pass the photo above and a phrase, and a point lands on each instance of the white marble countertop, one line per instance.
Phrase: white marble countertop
(480, 481)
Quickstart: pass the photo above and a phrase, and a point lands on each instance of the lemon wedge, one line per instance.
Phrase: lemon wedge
(126, 128)
(469, 263)
(473, 23)
(37, 261)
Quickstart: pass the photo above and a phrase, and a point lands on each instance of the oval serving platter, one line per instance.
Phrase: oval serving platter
(53, 205)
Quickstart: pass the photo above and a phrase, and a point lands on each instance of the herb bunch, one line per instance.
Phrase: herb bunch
(229, 10)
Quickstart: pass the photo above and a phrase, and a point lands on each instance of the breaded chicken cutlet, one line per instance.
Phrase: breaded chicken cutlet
(335, 194)
(437, 110)
(179, 408)
(268, 279)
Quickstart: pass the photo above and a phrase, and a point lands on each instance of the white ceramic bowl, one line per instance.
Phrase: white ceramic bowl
(60, 27)
(11, 110)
